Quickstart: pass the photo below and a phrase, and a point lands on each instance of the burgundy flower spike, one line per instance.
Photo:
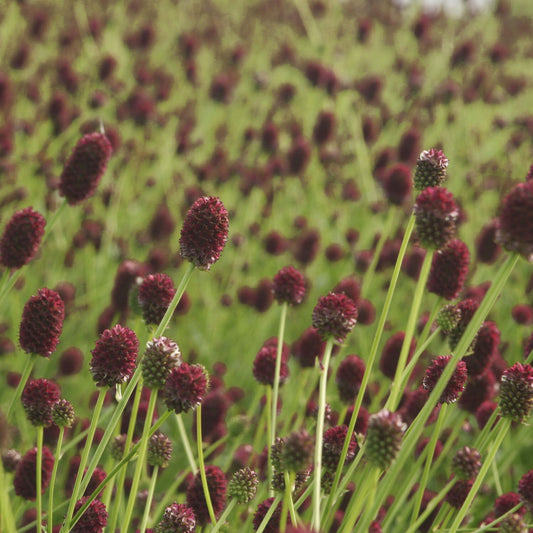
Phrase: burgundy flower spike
(84, 168)
(430, 169)
(457, 382)
(38, 399)
(334, 316)
(22, 237)
(42, 323)
(185, 387)
(155, 294)
(204, 232)
(289, 286)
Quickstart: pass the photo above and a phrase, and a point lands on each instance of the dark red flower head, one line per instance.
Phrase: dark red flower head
(456, 384)
(334, 316)
(42, 323)
(22, 237)
(349, 377)
(324, 128)
(384, 438)
(260, 513)
(308, 347)
(185, 387)
(264, 367)
(398, 184)
(114, 356)
(516, 392)
(85, 167)
(506, 502)
(177, 518)
(155, 294)
(217, 484)
(449, 269)
(289, 285)
(525, 489)
(435, 213)
(25, 475)
(38, 399)
(430, 169)
(391, 354)
(93, 520)
(486, 345)
(161, 356)
(515, 222)
(204, 232)
(333, 442)
(467, 309)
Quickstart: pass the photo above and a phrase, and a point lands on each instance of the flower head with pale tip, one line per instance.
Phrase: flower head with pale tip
(334, 316)
(430, 169)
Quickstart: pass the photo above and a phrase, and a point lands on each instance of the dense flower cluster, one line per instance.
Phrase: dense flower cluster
(155, 294)
(334, 316)
(185, 387)
(455, 385)
(217, 485)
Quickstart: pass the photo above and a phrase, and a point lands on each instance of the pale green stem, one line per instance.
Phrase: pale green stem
(141, 460)
(7, 521)
(269, 514)
(311, 28)
(275, 387)
(288, 504)
(371, 359)
(490, 525)
(267, 410)
(53, 480)
(394, 398)
(320, 433)
(186, 443)
(76, 492)
(225, 514)
(151, 490)
(430, 451)
(500, 431)
(22, 383)
(201, 464)
(38, 479)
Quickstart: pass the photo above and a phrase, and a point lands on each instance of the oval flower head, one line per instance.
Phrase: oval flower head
(430, 169)
(334, 316)
(204, 232)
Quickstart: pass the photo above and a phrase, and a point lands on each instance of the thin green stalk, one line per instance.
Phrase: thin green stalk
(267, 411)
(220, 522)
(500, 431)
(268, 514)
(431, 318)
(53, 479)
(22, 383)
(320, 433)
(186, 443)
(7, 521)
(482, 440)
(490, 525)
(418, 424)
(151, 490)
(85, 455)
(38, 479)
(394, 398)
(201, 464)
(275, 387)
(141, 460)
(430, 451)
(169, 493)
(371, 359)
(287, 504)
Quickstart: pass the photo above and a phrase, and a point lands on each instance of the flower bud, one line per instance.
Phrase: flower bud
(384, 438)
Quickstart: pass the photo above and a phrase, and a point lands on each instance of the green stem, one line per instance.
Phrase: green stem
(186, 443)
(268, 514)
(371, 359)
(38, 479)
(394, 398)
(141, 463)
(7, 521)
(320, 433)
(275, 387)
(22, 383)
(225, 514)
(151, 490)
(53, 480)
(268, 410)
(201, 463)
(85, 454)
(288, 504)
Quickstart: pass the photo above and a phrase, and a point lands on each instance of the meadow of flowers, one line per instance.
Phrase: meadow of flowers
(265, 266)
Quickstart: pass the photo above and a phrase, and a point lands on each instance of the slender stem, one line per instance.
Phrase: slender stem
(38, 479)
(394, 398)
(141, 463)
(186, 443)
(7, 521)
(85, 455)
(201, 463)
(22, 383)
(275, 387)
(268, 514)
(225, 514)
(53, 480)
(151, 490)
(267, 411)
(320, 433)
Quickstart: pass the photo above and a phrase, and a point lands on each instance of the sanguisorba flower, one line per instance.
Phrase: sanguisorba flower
(430, 169)
(185, 387)
(384, 438)
(177, 518)
(155, 294)
(42, 323)
(334, 316)
(525, 489)
(449, 269)
(466, 463)
(217, 485)
(25, 481)
(204, 232)
(457, 382)
(515, 221)
(161, 356)
(159, 450)
(516, 392)
(85, 167)
(243, 485)
(349, 377)
(435, 213)
(289, 286)
(38, 399)
(21, 238)
(264, 367)
(114, 356)
(93, 520)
